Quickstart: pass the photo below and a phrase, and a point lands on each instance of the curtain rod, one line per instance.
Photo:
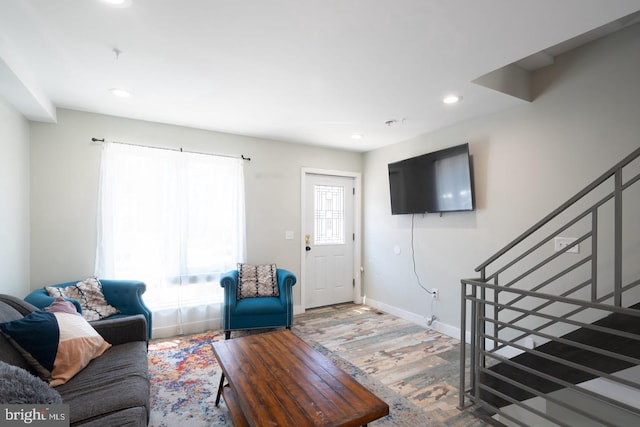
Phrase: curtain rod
(98, 141)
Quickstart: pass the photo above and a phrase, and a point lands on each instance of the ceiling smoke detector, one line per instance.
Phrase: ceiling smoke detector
(394, 122)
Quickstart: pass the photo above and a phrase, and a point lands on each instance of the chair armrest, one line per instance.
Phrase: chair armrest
(41, 299)
(286, 280)
(229, 281)
(121, 330)
(125, 295)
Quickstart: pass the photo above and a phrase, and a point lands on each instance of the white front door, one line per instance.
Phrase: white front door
(329, 240)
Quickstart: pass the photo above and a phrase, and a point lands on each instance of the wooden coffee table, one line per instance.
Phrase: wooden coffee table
(276, 379)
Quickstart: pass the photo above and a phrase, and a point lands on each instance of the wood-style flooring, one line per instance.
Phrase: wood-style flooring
(416, 362)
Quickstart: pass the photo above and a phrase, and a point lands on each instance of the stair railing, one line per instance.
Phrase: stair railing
(527, 295)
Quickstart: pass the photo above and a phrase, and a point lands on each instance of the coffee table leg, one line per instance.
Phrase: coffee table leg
(220, 389)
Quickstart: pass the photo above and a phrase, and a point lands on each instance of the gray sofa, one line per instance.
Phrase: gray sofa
(113, 390)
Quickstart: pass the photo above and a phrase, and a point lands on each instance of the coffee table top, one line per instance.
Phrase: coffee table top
(279, 380)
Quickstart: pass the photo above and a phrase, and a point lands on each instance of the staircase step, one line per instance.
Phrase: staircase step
(605, 341)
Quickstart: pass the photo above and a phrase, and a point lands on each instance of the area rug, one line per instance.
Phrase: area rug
(184, 380)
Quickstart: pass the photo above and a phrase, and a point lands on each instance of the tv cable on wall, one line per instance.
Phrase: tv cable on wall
(432, 318)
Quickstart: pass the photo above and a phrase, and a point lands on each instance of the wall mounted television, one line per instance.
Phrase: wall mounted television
(441, 181)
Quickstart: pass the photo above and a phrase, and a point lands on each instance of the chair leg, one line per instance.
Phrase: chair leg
(227, 335)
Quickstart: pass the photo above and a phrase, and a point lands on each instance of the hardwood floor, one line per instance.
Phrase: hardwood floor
(417, 363)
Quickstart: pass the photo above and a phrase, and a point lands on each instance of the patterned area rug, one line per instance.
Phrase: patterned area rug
(184, 380)
(387, 355)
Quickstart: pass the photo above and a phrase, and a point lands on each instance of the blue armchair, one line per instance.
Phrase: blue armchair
(125, 295)
(259, 312)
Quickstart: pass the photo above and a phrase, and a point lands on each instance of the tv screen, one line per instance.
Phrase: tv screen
(434, 182)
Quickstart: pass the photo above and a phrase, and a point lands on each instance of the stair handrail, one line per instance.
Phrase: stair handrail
(538, 225)
(478, 337)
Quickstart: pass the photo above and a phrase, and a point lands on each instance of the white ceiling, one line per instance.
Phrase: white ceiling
(303, 71)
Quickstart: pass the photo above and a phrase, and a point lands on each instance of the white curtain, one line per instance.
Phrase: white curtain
(176, 221)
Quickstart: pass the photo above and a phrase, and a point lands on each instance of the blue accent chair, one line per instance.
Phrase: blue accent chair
(125, 295)
(257, 313)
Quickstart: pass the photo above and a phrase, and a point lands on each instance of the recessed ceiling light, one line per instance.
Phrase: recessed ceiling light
(118, 3)
(356, 136)
(120, 92)
(452, 99)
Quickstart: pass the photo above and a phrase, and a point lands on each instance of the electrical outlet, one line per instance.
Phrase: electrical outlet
(559, 243)
(435, 294)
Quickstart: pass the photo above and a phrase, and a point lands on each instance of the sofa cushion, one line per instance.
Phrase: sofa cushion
(130, 417)
(57, 345)
(90, 296)
(257, 281)
(259, 306)
(114, 382)
(17, 386)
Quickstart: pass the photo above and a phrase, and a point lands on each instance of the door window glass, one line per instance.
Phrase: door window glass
(328, 215)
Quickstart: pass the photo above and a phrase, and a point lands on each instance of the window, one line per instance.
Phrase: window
(329, 215)
(174, 220)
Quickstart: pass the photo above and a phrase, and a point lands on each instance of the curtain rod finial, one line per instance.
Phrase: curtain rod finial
(248, 159)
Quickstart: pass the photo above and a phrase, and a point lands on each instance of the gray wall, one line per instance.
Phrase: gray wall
(14, 202)
(528, 160)
(64, 183)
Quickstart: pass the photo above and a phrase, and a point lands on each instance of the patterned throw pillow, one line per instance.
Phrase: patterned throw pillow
(57, 345)
(89, 295)
(257, 281)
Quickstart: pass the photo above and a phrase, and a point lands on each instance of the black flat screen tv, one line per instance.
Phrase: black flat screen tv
(440, 181)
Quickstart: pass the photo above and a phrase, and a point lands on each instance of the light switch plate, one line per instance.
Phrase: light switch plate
(562, 242)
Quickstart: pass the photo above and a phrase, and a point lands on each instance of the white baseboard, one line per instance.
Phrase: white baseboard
(418, 319)
(437, 325)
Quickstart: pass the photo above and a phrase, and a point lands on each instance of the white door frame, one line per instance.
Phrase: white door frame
(357, 229)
